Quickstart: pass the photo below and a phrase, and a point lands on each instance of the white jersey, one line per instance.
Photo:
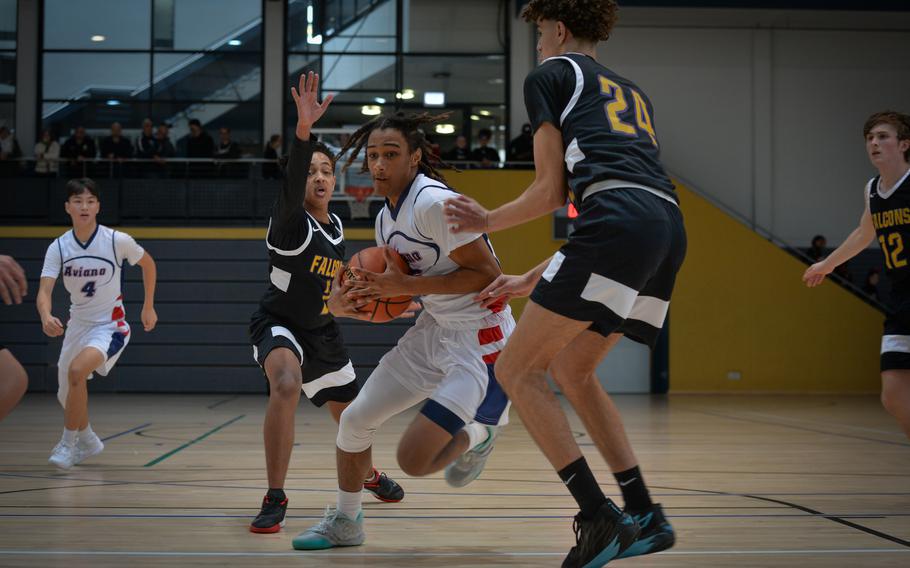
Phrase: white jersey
(92, 272)
(416, 228)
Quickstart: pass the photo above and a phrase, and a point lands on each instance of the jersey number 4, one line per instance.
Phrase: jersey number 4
(89, 289)
(892, 248)
(619, 105)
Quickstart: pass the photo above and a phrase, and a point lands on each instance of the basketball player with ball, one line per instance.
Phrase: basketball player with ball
(295, 339)
(445, 361)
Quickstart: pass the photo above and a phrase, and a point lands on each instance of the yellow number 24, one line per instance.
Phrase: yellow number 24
(619, 106)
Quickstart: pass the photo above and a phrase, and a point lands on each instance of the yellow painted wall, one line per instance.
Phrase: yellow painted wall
(739, 305)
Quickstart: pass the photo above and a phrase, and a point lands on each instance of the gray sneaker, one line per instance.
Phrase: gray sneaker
(468, 466)
(335, 529)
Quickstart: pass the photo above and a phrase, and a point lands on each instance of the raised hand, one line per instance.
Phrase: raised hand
(309, 110)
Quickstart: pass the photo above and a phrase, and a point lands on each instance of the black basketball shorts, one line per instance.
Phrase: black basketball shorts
(618, 268)
(896, 338)
(328, 374)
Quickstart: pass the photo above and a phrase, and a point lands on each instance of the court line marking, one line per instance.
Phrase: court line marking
(163, 457)
(803, 428)
(836, 519)
(412, 554)
(220, 402)
(432, 517)
(125, 432)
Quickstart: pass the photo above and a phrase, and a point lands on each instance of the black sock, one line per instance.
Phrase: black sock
(276, 494)
(634, 490)
(581, 483)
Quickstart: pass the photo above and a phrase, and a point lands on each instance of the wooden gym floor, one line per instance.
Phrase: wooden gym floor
(747, 481)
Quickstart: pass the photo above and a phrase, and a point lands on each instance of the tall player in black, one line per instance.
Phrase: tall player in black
(887, 218)
(593, 136)
(295, 338)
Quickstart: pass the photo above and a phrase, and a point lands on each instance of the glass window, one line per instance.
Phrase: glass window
(8, 24)
(349, 26)
(467, 79)
(7, 74)
(208, 76)
(119, 76)
(365, 72)
(96, 116)
(8, 113)
(465, 26)
(244, 120)
(97, 24)
(211, 24)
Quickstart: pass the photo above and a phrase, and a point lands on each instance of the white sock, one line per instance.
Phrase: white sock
(477, 434)
(87, 432)
(69, 436)
(349, 503)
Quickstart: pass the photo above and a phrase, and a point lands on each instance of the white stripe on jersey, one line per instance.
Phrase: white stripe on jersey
(92, 272)
(416, 228)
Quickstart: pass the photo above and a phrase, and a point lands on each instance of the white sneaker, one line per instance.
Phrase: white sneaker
(63, 456)
(88, 447)
(468, 466)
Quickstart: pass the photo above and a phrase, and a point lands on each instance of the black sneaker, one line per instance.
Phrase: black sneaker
(601, 539)
(384, 488)
(271, 517)
(656, 532)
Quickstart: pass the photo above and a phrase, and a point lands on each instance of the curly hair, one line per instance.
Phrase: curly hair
(588, 20)
(899, 120)
(317, 147)
(410, 127)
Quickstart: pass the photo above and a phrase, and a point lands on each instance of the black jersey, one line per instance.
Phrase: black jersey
(607, 123)
(304, 254)
(891, 217)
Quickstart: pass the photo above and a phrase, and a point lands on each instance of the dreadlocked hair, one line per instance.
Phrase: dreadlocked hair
(410, 127)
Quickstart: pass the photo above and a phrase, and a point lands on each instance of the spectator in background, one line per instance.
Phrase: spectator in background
(9, 153)
(870, 287)
(47, 152)
(818, 250)
(165, 151)
(76, 150)
(227, 149)
(199, 145)
(271, 152)
(521, 149)
(116, 148)
(460, 153)
(485, 154)
(147, 148)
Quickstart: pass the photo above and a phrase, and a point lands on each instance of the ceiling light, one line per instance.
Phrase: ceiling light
(97, 38)
(432, 98)
(445, 129)
(405, 95)
(496, 81)
(112, 102)
(485, 113)
(475, 117)
(379, 100)
(234, 42)
(370, 110)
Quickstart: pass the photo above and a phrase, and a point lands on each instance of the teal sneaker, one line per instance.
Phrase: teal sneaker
(602, 538)
(656, 532)
(335, 529)
(468, 466)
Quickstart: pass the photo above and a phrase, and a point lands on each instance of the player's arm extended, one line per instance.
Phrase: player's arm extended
(293, 190)
(149, 280)
(49, 324)
(858, 240)
(477, 267)
(547, 193)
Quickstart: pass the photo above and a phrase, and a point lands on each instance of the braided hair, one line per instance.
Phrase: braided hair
(410, 128)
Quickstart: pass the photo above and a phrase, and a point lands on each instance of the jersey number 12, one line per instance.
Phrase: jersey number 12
(620, 105)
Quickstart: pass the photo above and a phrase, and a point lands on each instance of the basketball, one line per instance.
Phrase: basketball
(373, 259)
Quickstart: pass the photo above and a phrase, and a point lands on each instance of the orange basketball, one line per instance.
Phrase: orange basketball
(373, 259)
